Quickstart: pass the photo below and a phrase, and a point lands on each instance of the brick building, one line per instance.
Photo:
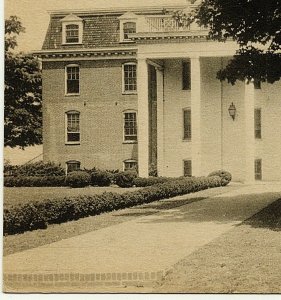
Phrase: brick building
(128, 87)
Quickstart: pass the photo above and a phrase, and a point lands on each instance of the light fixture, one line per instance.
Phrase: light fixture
(232, 111)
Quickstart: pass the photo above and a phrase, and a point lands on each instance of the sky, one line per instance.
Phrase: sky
(35, 18)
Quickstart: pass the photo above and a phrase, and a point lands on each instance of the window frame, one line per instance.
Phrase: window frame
(69, 30)
(186, 81)
(122, 33)
(136, 121)
(67, 142)
(72, 162)
(124, 91)
(184, 161)
(258, 175)
(80, 32)
(130, 161)
(65, 80)
(258, 123)
(188, 139)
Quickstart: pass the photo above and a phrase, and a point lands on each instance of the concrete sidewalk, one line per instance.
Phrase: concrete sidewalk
(137, 252)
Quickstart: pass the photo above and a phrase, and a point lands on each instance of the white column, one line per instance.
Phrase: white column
(196, 116)
(249, 106)
(160, 122)
(143, 117)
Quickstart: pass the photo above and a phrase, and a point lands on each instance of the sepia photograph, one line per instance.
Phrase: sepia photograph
(142, 147)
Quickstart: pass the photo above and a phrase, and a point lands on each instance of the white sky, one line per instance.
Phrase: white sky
(35, 19)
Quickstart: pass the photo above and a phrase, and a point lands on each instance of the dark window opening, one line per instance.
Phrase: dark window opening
(258, 169)
(187, 168)
(72, 33)
(72, 80)
(187, 124)
(186, 83)
(128, 27)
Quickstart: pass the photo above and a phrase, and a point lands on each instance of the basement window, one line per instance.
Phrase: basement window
(258, 169)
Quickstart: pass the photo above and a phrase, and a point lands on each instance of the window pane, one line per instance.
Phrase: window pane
(130, 77)
(187, 168)
(258, 123)
(128, 27)
(130, 126)
(187, 124)
(258, 169)
(73, 127)
(130, 165)
(72, 33)
(73, 166)
(72, 80)
(186, 75)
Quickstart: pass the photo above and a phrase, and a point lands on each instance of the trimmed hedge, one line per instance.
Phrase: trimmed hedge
(35, 215)
(101, 178)
(34, 181)
(78, 179)
(125, 179)
(224, 175)
(143, 182)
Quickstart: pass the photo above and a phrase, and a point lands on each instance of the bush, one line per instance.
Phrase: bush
(37, 169)
(78, 179)
(101, 178)
(125, 179)
(142, 182)
(35, 181)
(37, 215)
(224, 175)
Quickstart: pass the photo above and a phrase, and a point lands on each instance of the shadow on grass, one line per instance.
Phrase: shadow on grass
(269, 217)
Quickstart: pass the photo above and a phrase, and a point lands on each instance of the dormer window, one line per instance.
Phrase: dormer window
(72, 30)
(128, 25)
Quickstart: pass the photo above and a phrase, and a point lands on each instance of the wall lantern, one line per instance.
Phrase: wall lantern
(232, 111)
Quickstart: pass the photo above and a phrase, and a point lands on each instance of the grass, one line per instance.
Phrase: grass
(246, 259)
(21, 195)
(57, 232)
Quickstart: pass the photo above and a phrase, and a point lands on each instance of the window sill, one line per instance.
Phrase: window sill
(129, 93)
(65, 44)
(72, 143)
(186, 140)
(130, 142)
(70, 95)
(126, 42)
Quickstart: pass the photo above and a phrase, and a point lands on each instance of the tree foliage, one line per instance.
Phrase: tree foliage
(255, 25)
(23, 92)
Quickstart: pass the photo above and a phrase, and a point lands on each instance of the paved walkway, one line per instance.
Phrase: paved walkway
(137, 252)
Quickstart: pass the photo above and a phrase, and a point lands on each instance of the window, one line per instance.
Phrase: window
(72, 33)
(72, 80)
(128, 27)
(257, 123)
(72, 29)
(130, 164)
(129, 78)
(130, 126)
(186, 124)
(258, 169)
(186, 75)
(187, 168)
(72, 165)
(73, 127)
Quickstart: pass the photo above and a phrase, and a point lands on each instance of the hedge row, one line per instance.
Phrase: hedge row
(35, 215)
(39, 181)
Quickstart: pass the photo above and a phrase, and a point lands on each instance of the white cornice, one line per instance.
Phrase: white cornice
(116, 10)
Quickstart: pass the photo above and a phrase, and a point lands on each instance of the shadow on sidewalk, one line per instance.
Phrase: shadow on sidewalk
(269, 217)
(221, 209)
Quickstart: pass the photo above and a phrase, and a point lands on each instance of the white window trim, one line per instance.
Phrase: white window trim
(129, 161)
(123, 115)
(65, 129)
(183, 110)
(65, 80)
(80, 30)
(123, 79)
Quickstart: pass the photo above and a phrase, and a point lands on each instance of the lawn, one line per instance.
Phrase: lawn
(20, 195)
(247, 259)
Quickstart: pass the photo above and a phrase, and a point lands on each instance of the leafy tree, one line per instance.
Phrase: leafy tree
(254, 24)
(23, 92)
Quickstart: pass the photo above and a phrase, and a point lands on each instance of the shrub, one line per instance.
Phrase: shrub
(29, 181)
(224, 175)
(101, 178)
(142, 182)
(125, 179)
(38, 169)
(78, 179)
(37, 215)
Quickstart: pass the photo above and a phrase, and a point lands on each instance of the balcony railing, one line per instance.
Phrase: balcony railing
(165, 23)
